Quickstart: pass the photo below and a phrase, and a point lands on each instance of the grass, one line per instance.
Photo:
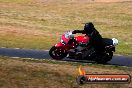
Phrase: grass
(28, 73)
(15, 1)
(38, 24)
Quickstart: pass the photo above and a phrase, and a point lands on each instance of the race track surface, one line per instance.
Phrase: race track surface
(43, 54)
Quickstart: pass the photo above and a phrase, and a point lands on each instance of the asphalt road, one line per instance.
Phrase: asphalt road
(43, 54)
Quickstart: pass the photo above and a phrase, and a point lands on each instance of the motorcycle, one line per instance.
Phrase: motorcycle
(79, 47)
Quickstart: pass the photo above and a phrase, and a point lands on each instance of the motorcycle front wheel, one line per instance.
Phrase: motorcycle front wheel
(57, 53)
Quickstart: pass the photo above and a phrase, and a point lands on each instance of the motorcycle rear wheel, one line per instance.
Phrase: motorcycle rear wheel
(57, 53)
(103, 59)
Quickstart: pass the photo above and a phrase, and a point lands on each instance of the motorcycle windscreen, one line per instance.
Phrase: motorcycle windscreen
(65, 39)
(82, 39)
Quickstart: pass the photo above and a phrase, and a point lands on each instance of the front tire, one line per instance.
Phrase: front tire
(57, 53)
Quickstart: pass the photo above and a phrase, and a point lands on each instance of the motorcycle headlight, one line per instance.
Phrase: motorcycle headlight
(62, 41)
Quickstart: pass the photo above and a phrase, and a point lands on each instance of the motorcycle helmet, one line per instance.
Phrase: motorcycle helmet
(89, 27)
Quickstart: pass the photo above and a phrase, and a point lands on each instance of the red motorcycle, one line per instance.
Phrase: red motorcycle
(79, 47)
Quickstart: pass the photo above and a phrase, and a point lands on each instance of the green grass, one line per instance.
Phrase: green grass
(26, 42)
(28, 73)
(53, 17)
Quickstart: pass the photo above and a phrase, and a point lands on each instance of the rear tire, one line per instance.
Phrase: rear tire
(57, 53)
(104, 58)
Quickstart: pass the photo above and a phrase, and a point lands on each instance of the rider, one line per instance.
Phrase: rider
(96, 38)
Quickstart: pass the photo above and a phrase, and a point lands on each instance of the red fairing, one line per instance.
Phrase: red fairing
(82, 39)
(59, 44)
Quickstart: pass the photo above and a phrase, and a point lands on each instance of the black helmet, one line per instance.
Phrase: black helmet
(89, 27)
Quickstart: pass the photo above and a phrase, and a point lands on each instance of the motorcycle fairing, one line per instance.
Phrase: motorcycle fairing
(82, 39)
(59, 44)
